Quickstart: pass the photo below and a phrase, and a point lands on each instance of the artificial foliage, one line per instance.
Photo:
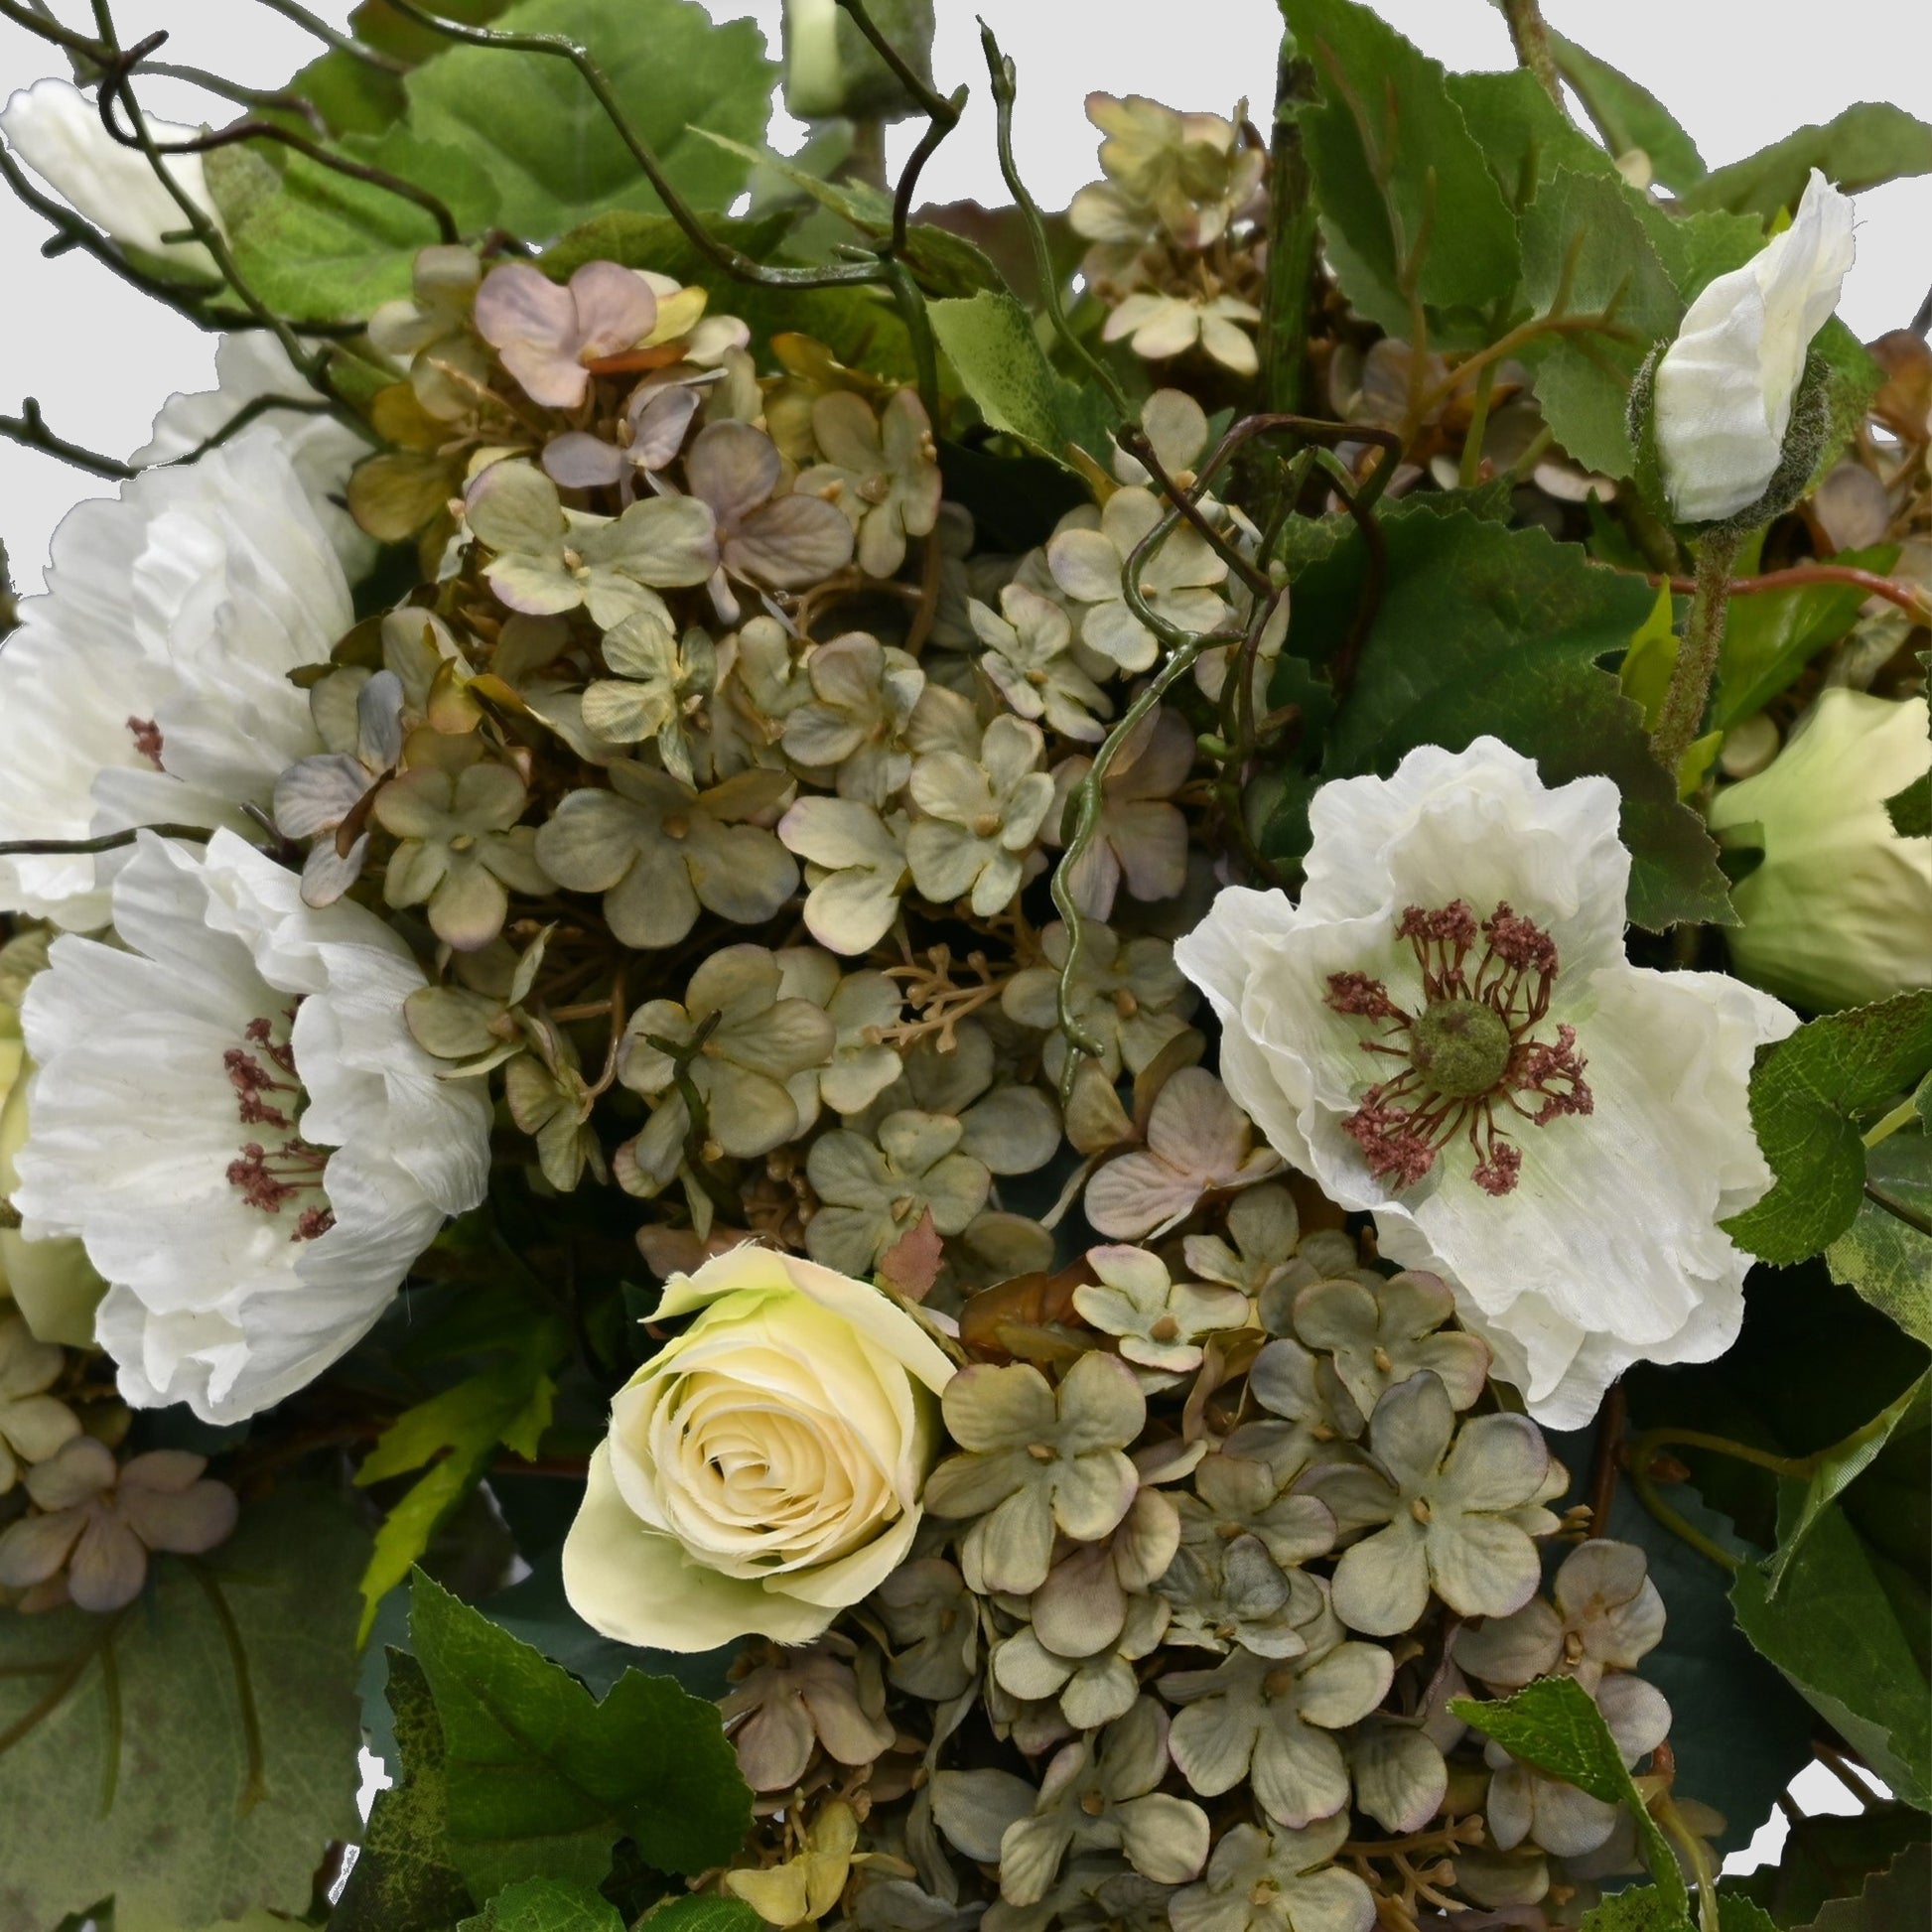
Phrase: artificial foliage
(919, 1067)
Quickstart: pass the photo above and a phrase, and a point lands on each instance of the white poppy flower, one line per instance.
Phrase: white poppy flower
(1724, 386)
(150, 684)
(230, 1114)
(321, 448)
(1446, 1031)
(58, 131)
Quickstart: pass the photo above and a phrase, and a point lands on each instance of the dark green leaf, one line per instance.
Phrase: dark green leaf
(704, 1913)
(1866, 145)
(1638, 1908)
(1769, 638)
(989, 340)
(1407, 198)
(358, 97)
(453, 1436)
(1851, 377)
(1585, 251)
(529, 121)
(1831, 1858)
(1886, 1252)
(1837, 1466)
(1912, 809)
(403, 1881)
(543, 1780)
(1805, 1094)
(1628, 115)
(1555, 1726)
(202, 1752)
(1835, 1632)
(546, 1905)
(1483, 629)
(1893, 1901)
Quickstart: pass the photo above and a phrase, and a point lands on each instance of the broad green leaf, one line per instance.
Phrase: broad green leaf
(1586, 253)
(1866, 145)
(1554, 1725)
(860, 326)
(1835, 1632)
(1485, 629)
(194, 1753)
(989, 340)
(323, 246)
(1805, 1094)
(1912, 809)
(546, 1905)
(1628, 115)
(403, 1880)
(1406, 197)
(543, 1780)
(1830, 1859)
(453, 1435)
(1837, 1466)
(357, 97)
(1891, 1900)
(530, 123)
(1771, 635)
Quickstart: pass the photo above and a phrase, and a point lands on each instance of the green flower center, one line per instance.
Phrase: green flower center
(1460, 1048)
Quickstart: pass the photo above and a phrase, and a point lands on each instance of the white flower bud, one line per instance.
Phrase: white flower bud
(1725, 387)
(1839, 912)
(58, 131)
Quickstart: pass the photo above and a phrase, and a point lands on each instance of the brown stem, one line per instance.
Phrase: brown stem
(1609, 1439)
(1531, 40)
(1908, 596)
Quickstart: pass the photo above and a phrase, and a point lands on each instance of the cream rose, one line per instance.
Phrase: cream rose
(762, 1470)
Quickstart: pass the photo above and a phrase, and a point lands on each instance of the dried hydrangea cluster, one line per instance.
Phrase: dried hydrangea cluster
(1176, 230)
(1226, 1523)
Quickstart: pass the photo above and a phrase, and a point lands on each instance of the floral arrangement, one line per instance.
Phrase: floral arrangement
(931, 1067)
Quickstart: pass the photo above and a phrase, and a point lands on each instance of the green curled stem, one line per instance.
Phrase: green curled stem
(1005, 89)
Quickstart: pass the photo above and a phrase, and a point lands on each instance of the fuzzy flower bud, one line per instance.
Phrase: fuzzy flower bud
(1725, 387)
(1839, 912)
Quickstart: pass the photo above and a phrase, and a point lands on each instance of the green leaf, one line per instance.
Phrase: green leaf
(1586, 250)
(943, 264)
(530, 123)
(1886, 1252)
(323, 246)
(1770, 637)
(1912, 809)
(1835, 1632)
(194, 1753)
(355, 96)
(1866, 145)
(403, 1880)
(989, 340)
(1891, 1900)
(543, 1780)
(1644, 1908)
(1837, 1466)
(1554, 1725)
(860, 326)
(545, 1905)
(454, 1435)
(1406, 197)
(1628, 115)
(1831, 1859)
(704, 1912)
(1805, 1093)
(1483, 629)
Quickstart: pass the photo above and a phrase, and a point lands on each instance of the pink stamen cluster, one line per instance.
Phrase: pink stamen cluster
(147, 740)
(1404, 1123)
(269, 1178)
